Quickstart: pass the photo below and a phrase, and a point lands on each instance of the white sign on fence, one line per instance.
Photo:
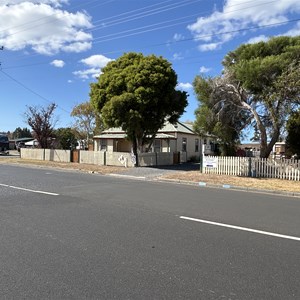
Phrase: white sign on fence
(133, 158)
(121, 159)
(210, 162)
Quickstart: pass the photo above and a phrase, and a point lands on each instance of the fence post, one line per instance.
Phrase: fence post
(249, 167)
(202, 148)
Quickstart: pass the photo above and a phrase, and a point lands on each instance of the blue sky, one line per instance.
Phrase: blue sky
(53, 49)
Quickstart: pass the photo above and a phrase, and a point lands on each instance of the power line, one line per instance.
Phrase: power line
(144, 14)
(131, 11)
(183, 40)
(47, 17)
(173, 42)
(149, 26)
(171, 25)
(158, 28)
(225, 32)
(31, 90)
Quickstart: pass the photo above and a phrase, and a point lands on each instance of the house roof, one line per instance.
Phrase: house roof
(168, 131)
(111, 136)
(179, 127)
(26, 139)
(123, 136)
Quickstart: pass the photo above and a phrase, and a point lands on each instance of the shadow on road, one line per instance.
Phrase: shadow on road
(178, 167)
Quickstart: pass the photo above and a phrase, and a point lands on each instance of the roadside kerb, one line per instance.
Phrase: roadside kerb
(231, 187)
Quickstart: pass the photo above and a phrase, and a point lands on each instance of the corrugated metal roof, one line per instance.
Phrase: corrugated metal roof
(168, 131)
(111, 136)
(179, 127)
(123, 136)
(164, 136)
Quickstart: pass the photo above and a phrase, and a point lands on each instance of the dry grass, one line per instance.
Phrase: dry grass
(194, 176)
(68, 166)
(255, 183)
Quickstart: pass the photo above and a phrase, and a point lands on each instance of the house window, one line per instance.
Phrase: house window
(103, 145)
(157, 145)
(196, 145)
(184, 142)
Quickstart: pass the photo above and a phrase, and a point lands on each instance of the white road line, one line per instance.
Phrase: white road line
(127, 176)
(28, 190)
(243, 228)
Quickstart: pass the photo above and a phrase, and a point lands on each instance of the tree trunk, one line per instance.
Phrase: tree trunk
(135, 151)
(274, 139)
(264, 149)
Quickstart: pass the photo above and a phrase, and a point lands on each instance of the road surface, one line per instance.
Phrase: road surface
(71, 235)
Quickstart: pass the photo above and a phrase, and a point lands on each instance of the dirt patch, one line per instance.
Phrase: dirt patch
(255, 183)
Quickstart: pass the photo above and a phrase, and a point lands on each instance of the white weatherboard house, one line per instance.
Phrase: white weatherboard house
(178, 138)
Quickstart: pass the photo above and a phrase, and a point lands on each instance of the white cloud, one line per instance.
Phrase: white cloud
(295, 31)
(43, 26)
(257, 39)
(204, 69)
(95, 64)
(184, 86)
(89, 73)
(58, 63)
(96, 61)
(223, 26)
(178, 37)
(177, 56)
(56, 3)
(209, 47)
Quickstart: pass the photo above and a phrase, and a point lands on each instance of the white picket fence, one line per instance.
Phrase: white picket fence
(288, 169)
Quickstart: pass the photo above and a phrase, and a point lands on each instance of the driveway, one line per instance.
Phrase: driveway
(12, 153)
(151, 172)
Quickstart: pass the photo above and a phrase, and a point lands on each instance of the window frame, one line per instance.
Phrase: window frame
(184, 144)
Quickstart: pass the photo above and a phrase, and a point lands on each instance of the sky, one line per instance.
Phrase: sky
(53, 49)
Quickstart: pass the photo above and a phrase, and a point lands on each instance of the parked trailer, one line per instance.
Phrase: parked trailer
(4, 145)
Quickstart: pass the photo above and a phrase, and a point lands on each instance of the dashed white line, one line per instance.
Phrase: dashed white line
(243, 228)
(28, 190)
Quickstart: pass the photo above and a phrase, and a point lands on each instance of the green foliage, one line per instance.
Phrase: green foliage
(65, 138)
(257, 66)
(138, 93)
(260, 81)
(293, 137)
(213, 117)
(21, 133)
(87, 120)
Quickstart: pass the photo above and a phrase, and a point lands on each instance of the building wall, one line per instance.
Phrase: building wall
(46, 154)
(58, 155)
(114, 159)
(92, 157)
(37, 154)
(188, 150)
(167, 146)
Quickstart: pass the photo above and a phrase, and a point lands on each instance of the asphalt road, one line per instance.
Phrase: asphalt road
(71, 235)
